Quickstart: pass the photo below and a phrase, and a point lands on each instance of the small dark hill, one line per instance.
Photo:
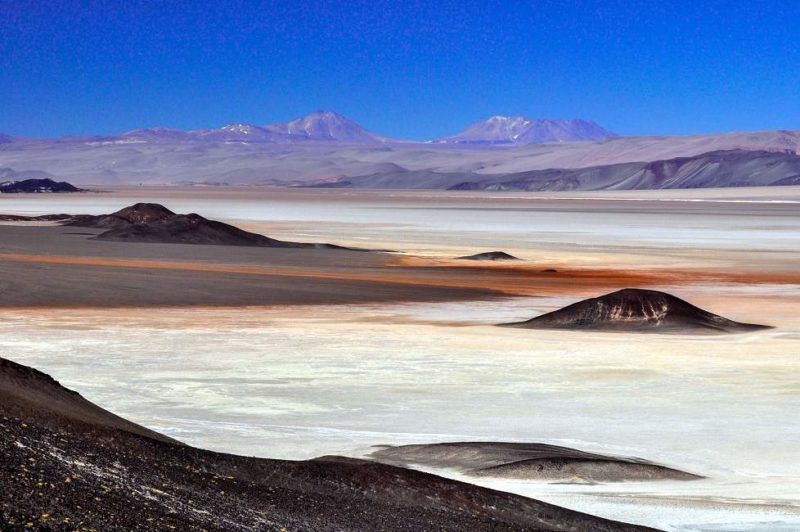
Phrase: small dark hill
(490, 255)
(36, 186)
(636, 310)
(534, 461)
(139, 213)
(67, 464)
(142, 213)
(191, 229)
(155, 224)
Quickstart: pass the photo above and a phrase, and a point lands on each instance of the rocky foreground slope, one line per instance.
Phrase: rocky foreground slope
(636, 310)
(67, 464)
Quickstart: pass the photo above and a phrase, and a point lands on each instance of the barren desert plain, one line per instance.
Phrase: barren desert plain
(297, 353)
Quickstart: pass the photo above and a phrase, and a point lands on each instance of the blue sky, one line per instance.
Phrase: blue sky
(407, 69)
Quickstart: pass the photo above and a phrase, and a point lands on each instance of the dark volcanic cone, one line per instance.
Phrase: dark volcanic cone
(67, 464)
(142, 213)
(532, 461)
(194, 229)
(139, 213)
(154, 223)
(633, 309)
(490, 255)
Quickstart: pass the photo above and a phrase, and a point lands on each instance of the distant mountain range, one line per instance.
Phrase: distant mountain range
(321, 126)
(521, 130)
(329, 126)
(327, 149)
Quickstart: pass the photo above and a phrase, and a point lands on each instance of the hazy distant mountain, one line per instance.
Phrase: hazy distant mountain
(521, 130)
(239, 133)
(156, 134)
(326, 125)
(163, 156)
(732, 168)
(322, 126)
(9, 174)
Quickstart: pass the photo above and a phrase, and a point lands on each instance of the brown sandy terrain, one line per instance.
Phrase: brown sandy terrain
(63, 266)
(72, 465)
(551, 279)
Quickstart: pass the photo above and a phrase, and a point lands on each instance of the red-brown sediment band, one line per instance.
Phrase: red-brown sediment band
(525, 279)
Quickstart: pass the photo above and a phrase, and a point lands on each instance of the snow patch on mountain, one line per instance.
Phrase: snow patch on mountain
(521, 130)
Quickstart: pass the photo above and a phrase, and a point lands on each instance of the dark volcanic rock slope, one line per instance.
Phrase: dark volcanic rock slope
(36, 186)
(490, 255)
(67, 464)
(636, 310)
(154, 223)
(535, 461)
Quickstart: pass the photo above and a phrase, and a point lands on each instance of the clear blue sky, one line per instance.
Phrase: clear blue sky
(410, 69)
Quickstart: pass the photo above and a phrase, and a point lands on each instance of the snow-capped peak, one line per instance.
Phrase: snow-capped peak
(326, 126)
(517, 129)
(244, 129)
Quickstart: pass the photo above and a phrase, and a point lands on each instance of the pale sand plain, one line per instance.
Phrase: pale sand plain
(426, 365)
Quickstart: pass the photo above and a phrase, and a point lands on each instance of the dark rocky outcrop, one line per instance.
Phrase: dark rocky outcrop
(42, 218)
(28, 186)
(533, 461)
(490, 255)
(638, 310)
(65, 463)
(154, 223)
(143, 213)
(139, 213)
